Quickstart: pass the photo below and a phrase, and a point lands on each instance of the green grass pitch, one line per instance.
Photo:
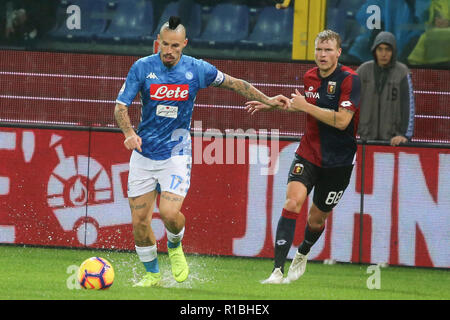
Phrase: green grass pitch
(29, 273)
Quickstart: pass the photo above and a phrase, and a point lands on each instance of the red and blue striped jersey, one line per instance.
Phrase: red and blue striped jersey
(324, 145)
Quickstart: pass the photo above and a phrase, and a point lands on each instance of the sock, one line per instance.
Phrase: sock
(152, 266)
(148, 256)
(284, 237)
(172, 245)
(174, 240)
(311, 237)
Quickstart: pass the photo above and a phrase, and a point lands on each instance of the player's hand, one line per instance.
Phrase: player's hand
(133, 142)
(280, 102)
(298, 101)
(277, 102)
(395, 141)
(255, 106)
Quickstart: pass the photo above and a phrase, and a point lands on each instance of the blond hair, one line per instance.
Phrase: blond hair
(329, 35)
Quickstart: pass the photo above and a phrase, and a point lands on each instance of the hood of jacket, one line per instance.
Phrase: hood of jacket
(388, 38)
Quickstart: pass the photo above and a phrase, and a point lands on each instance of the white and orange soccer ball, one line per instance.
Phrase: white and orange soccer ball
(96, 273)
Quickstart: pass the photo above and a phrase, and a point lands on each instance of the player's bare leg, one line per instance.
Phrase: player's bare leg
(141, 216)
(317, 218)
(169, 208)
(296, 194)
(314, 228)
(295, 197)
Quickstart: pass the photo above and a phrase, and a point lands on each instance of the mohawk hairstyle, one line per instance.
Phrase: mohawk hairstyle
(174, 22)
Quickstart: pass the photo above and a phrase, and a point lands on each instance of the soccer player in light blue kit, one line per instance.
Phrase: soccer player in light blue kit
(168, 83)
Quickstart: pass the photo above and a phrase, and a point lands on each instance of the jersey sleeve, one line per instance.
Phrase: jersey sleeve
(130, 87)
(209, 75)
(350, 93)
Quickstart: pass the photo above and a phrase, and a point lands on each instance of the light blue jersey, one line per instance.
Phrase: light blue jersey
(167, 97)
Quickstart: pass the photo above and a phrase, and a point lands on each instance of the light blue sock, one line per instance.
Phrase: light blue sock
(173, 245)
(152, 266)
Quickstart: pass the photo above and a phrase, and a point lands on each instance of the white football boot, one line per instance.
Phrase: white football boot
(275, 278)
(297, 267)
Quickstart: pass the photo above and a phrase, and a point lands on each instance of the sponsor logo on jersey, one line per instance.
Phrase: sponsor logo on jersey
(346, 104)
(314, 95)
(167, 111)
(152, 75)
(177, 92)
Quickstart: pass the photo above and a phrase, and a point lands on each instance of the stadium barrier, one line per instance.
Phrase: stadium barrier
(67, 186)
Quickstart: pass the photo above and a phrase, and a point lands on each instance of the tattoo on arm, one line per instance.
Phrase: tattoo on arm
(346, 120)
(348, 110)
(122, 118)
(333, 121)
(327, 120)
(244, 88)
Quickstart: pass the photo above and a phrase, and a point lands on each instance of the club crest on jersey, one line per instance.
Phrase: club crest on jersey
(174, 92)
(298, 169)
(331, 89)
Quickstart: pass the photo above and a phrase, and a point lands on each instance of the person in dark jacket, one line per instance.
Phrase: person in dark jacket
(387, 100)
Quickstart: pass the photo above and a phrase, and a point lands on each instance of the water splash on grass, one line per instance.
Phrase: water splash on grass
(198, 272)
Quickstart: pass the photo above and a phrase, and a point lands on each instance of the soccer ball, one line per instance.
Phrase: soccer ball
(96, 273)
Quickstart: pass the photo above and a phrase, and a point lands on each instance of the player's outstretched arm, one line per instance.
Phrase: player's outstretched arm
(339, 119)
(132, 140)
(250, 92)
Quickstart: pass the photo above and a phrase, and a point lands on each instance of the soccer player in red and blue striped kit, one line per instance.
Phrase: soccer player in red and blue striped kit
(326, 154)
